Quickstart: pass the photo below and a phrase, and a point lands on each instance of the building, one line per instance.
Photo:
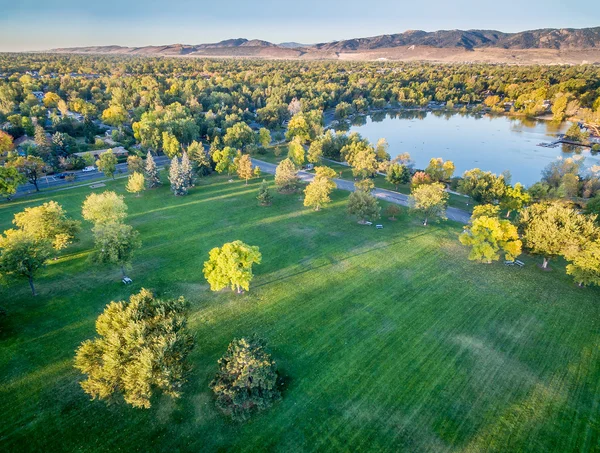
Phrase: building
(118, 151)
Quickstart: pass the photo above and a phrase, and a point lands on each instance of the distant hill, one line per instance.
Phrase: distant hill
(543, 46)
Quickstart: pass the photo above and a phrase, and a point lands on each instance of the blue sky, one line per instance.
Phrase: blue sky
(44, 24)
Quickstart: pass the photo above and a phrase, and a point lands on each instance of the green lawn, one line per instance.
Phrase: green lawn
(387, 339)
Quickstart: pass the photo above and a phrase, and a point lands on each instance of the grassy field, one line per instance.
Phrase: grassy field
(388, 340)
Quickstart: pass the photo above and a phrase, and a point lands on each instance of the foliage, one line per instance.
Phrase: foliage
(438, 170)
(315, 152)
(286, 178)
(231, 265)
(115, 243)
(141, 349)
(488, 236)
(552, 229)
(48, 221)
(243, 165)
(136, 183)
(239, 136)
(392, 211)
(264, 197)
(429, 200)
(420, 178)
(22, 255)
(179, 182)
(246, 380)
(135, 164)
(397, 174)
(264, 137)
(485, 210)
(483, 186)
(107, 163)
(115, 115)
(170, 145)
(584, 263)
(363, 206)
(30, 167)
(104, 207)
(185, 167)
(514, 198)
(316, 194)
(224, 159)
(10, 179)
(296, 152)
(6, 142)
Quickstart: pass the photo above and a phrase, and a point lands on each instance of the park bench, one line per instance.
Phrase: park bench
(509, 263)
(127, 280)
(379, 227)
(519, 263)
(368, 223)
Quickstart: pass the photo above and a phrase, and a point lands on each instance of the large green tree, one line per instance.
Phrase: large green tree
(363, 206)
(104, 207)
(31, 167)
(107, 163)
(141, 349)
(231, 266)
(483, 186)
(318, 191)
(488, 237)
(398, 174)
(115, 243)
(48, 221)
(286, 177)
(10, 179)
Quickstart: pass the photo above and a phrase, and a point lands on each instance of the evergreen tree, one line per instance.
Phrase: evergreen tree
(176, 178)
(264, 196)
(186, 170)
(247, 379)
(363, 205)
(152, 176)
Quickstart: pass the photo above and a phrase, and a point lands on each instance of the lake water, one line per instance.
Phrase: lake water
(491, 143)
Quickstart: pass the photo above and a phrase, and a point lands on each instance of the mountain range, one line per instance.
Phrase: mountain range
(550, 45)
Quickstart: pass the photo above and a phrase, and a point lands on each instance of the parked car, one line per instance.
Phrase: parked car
(65, 175)
(89, 168)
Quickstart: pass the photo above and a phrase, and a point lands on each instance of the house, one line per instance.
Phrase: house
(39, 95)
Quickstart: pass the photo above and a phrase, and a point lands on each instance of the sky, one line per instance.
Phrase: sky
(46, 24)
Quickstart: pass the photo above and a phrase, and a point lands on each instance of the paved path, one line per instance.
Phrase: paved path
(458, 215)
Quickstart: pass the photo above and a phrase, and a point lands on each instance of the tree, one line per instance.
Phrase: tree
(6, 142)
(246, 380)
(381, 150)
(553, 229)
(482, 186)
(136, 183)
(439, 170)
(178, 181)
(170, 145)
(315, 152)
(30, 167)
(107, 163)
(22, 255)
(10, 179)
(115, 115)
(141, 348)
(584, 263)
(264, 196)
(392, 211)
(398, 174)
(256, 172)
(231, 265)
(239, 136)
(515, 197)
(224, 159)
(420, 178)
(363, 206)
(135, 164)
(264, 137)
(243, 165)
(296, 152)
(286, 178)
(105, 207)
(487, 236)
(430, 200)
(115, 243)
(48, 221)
(186, 170)
(41, 139)
(152, 175)
(199, 158)
(317, 192)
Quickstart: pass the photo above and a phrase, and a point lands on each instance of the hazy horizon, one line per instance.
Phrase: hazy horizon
(30, 25)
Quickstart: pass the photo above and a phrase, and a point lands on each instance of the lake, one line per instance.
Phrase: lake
(492, 143)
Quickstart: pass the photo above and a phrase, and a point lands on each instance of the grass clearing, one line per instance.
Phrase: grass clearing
(387, 339)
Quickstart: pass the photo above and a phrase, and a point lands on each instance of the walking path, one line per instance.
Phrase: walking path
(455, 214)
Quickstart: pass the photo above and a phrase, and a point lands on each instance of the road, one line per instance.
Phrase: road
(52, 182)
(455, 214)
